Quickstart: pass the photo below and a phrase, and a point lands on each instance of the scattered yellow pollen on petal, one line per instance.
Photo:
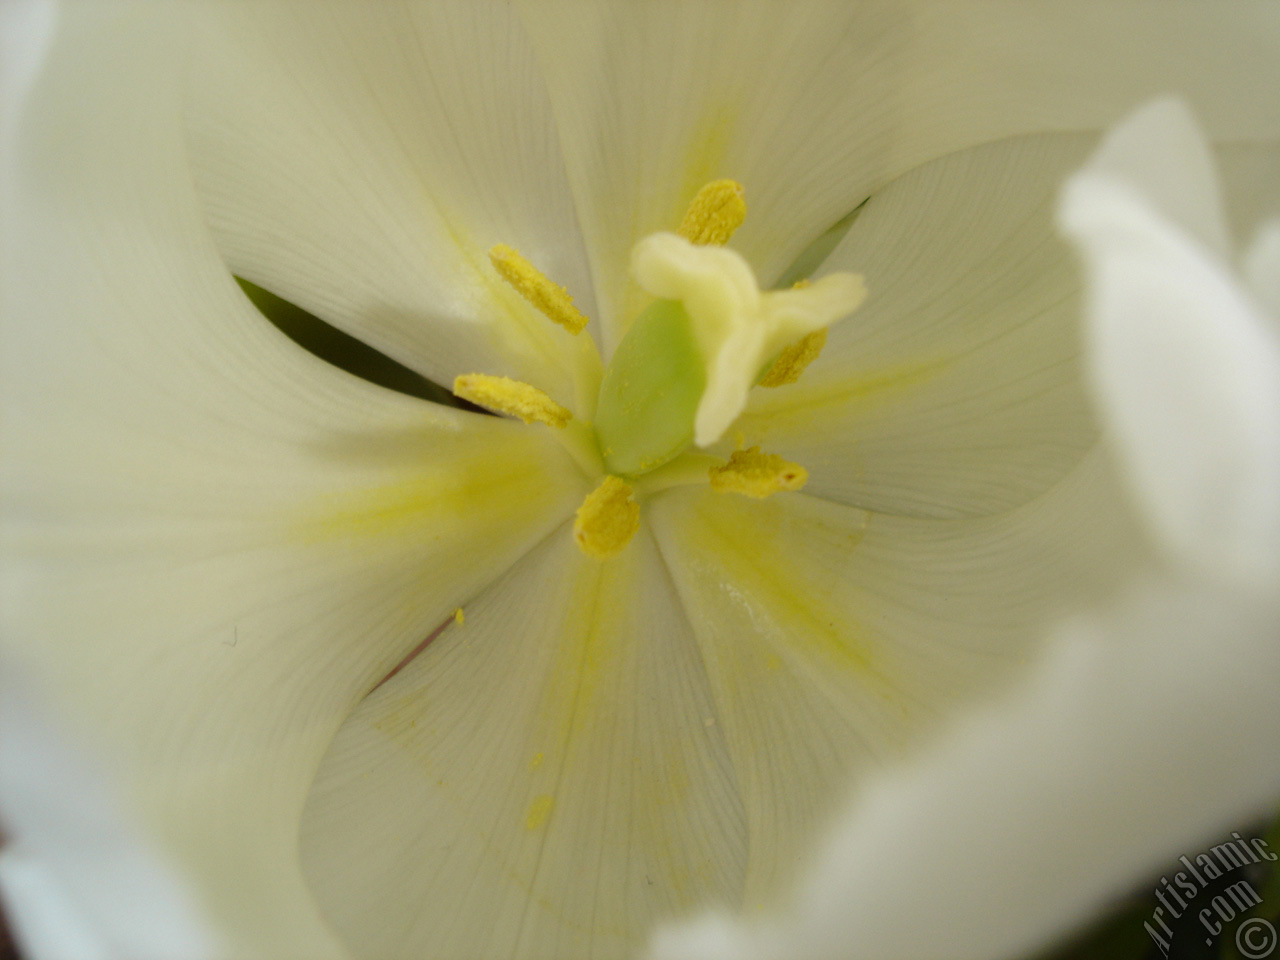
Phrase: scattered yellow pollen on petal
(536, 761)
(607, 519)
(504, 395)
(550, 298)
(539, 811)
(793, 360)
(756, 474)
(460, 616)
(715, 213)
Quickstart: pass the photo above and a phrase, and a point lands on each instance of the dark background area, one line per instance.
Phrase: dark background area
(7, 950)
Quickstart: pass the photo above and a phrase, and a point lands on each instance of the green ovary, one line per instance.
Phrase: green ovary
(650, 392)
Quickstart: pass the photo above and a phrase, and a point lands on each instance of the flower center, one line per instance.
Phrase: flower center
(683, 372)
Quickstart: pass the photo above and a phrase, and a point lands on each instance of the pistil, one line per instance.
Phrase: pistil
(682, 373)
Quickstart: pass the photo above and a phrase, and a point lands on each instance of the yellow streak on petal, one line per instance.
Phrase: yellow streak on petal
(706, 150)
(607, 519)
(787, 592)
(755, 474)
(715, 213)
(474, 492)
(539, 811)
(516, 399)
(793, 360)
(551, 299)
(809, 405)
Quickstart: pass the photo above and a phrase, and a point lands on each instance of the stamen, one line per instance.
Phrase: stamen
(755, 474)
(715, 213)
(793, 360)
(516, 399)
(550, 298)
(607, 519)
(688, 469)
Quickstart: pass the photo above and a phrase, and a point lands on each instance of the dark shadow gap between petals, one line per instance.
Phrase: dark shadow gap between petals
(345, 351)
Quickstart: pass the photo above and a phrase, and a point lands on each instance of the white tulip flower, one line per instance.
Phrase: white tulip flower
(644, 692)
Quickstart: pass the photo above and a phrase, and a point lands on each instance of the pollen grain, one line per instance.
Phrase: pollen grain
(715, 213)
(512, 397)
(539, 811)
(551, 299)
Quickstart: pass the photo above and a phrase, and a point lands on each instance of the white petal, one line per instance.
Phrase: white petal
(815, 105)
(835, 638)
(1147, 732)
(1186, 368)
(1262, 270)
(1161, 155)
(46, 926)
(26, 27)
(78, 882)
(956, 388)
(546, 780)
(361, 159)
(1250, 174)
(214, 543)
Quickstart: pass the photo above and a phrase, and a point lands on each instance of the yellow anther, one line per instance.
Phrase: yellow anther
(516, 399)
(793, 360)
(755, 474)
(607, 519)
(714, 214)
(550, 298)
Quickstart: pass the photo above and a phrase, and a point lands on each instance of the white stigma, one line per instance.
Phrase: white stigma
(738, 327)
